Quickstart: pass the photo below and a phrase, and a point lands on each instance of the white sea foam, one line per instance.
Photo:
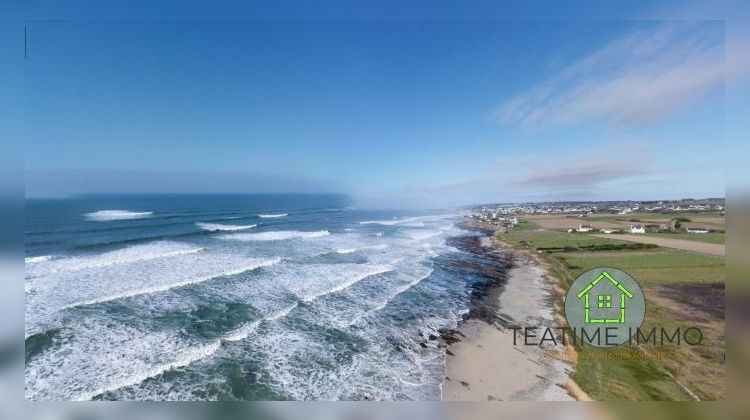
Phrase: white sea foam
(419, 234)
(165, 287)
(350, 250)
(282, 313)
(381, 222)
(378, 371)
(402, 289)
(50, 294)
(189, 356)
(275, 235)
(37, 259)
(110, 215)
(110, 357)
(105, 354)
(272, 216)
(311, 281)
(407, 221)
(242, 332)
(335, 294)
(346, 283)
(154, 250)
(214, 227)
(245, 330)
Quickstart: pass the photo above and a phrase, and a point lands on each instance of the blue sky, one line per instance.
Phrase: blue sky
(396, 113)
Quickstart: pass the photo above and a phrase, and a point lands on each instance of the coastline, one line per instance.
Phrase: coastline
(482, 364)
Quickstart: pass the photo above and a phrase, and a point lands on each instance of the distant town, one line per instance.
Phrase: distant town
(607, 216)
(675, 250)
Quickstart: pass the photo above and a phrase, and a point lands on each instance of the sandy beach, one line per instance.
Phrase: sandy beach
(482, 362)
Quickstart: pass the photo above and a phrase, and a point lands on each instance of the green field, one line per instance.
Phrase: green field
(551, 241)
(700, 369)
(528, 234)
(646, 216)
(652, 268)
(711, 237)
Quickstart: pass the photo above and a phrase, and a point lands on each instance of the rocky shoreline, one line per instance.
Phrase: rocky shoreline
(482, 362)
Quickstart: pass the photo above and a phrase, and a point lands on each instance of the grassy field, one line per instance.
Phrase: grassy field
(663, 274)
(711, 237)
(647, 216)
(652, 268)
(527, 234)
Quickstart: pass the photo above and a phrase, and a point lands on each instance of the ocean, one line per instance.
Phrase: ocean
(239, 297)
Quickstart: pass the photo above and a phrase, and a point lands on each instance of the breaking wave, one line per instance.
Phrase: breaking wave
(47, 265)
(168, 286)
(215, 227)
(37, 259)
(110, 215)
(276, 235)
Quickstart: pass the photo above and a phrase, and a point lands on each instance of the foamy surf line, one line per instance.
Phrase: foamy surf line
(391, 222)
(37, 259)
(275, 235)
(193, 356)
(111, 215)
(350, 250)
(402, 289)
(244, 331)
(129, 255)
(165, 287)
(272, 216)
(214, 227)
(346, 284)
(138, 377)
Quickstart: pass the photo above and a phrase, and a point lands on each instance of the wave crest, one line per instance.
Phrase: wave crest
(276, 235)
(110, 215)
(214, 227)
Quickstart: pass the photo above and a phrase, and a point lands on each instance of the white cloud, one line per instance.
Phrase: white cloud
(640, 78)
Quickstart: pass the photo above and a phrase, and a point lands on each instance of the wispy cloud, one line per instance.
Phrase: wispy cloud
(640, 78)
(603, 171)
(582, 174)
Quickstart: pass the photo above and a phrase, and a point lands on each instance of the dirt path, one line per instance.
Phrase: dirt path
(701, 247)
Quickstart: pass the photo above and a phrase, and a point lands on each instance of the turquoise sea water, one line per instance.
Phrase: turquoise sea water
(250, 297)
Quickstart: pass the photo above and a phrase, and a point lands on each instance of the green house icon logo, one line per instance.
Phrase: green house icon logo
(606, 310)
(603, 305)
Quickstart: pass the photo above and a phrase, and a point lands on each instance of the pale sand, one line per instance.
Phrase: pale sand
(683, 244)
(485, 364)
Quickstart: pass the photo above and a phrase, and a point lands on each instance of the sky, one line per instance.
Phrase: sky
(394, 113)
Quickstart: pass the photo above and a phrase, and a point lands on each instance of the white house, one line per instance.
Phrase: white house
(585, 228)
(696, 230)
(637, 229)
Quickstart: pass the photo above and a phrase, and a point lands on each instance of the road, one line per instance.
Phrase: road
(701, 247)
